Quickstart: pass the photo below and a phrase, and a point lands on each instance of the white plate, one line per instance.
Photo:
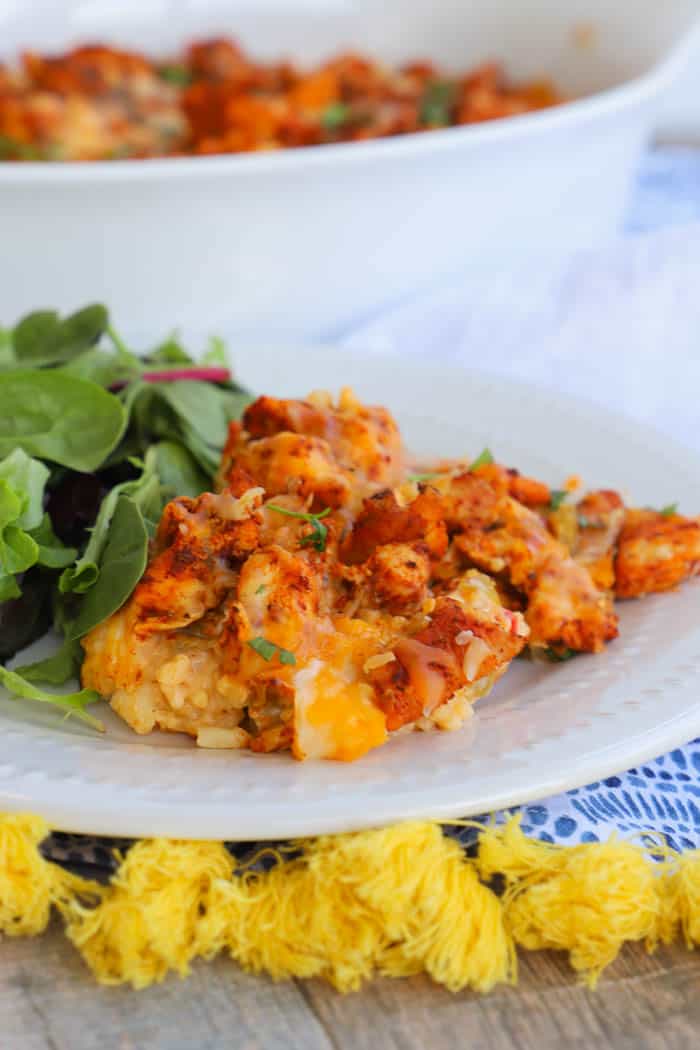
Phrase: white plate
(543, 729)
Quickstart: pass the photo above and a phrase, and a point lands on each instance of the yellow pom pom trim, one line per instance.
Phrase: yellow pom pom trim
(587, 900)
(29, 885)
(394, 901)
(680, 901)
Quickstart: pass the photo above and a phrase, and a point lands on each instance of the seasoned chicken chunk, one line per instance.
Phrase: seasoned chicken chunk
(196, 547)
(467, 643)
(363, 438)
(599, 519)
(382, 519)
(399, 574)
(656, 552)
(565, 610)
(501, 536)
(337, 450)
(296, 463)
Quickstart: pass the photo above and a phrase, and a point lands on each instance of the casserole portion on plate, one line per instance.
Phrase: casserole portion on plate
(332, 593)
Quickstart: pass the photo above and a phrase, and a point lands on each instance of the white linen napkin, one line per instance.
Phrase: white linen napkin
(620, 326)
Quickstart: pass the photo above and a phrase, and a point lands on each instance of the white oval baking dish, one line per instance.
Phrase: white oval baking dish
(298, 243)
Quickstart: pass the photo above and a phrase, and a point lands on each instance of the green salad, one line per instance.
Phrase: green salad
(94, 441)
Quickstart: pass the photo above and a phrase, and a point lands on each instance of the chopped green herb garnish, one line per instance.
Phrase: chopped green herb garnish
(423, 477)
(319, 532)
(482, 460)
(437, 102)
(13, 149)
(268, 650)
(589, 523)
(667, 512)
(121, 152)
(557, 656)
(317, 537)
(556, 498)
(261, 589)
(335, 115)
(178, 75)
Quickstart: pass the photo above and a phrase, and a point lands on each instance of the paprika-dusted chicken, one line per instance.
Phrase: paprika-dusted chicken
(326, 598)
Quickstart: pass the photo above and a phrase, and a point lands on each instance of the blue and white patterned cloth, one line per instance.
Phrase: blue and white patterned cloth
(662, 795)
(606, 327)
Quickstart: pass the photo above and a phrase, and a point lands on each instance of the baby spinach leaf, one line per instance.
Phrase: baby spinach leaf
(231, 405)
(198, 406)
(18, 551)
(59, 417)
(235, 401)
(121, 567)
(145, 492)
(27, 477)
(169, 352)
(82, 329)
(7, 353)
(207, 456)
(186, 411)
(57, 668)
(216, 354)
(41, 338)
(26, 533)
(102, 367)
(35, 336)
(52, 553)
(148, 415)
(179, 473)
(72, 704)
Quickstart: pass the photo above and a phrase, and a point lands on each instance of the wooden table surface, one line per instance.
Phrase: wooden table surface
(48, 1001)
